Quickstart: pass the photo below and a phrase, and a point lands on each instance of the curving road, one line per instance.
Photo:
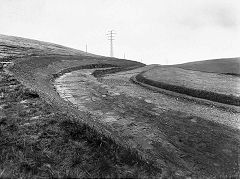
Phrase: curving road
(188, 138)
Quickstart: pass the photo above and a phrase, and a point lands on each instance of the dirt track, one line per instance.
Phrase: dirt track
(188, 137)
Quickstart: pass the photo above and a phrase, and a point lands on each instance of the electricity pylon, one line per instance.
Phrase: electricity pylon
(110, 36)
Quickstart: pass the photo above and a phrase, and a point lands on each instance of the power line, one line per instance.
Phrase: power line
(110, 36)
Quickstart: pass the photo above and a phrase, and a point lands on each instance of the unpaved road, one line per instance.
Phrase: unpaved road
(188, 138)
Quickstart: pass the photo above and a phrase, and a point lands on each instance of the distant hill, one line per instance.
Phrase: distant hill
(224, 65)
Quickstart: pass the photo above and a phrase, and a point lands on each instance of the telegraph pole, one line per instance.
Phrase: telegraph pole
(110, 36)
(86, 49)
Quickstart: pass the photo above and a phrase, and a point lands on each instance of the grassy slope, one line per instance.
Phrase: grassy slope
(211, 86)
(14, 47)
(225, 65)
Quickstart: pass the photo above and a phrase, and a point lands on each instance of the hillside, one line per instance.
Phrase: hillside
(17, 47)
(65, 113)
(225, 65)
(211, 86)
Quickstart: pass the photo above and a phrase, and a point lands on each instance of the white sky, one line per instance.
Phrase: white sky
(154, 31)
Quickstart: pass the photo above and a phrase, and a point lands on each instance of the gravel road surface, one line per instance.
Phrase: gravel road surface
(186, 136)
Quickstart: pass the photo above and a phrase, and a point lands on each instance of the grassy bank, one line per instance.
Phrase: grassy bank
(90, 66)
(102, 72)
(232, 100)
(186, 86)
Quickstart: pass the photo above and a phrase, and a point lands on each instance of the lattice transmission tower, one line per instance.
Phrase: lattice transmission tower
(111, 34)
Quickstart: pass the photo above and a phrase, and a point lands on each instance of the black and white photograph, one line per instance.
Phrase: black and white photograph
(120, 89)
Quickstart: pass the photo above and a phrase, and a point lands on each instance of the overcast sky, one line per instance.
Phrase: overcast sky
(154, 31)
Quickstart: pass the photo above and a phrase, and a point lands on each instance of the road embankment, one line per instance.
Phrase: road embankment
(214, 87)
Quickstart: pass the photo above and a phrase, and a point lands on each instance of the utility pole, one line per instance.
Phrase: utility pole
(110, 36)
(86, 48)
